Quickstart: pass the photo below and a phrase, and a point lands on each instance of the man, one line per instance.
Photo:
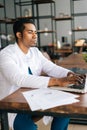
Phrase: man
(21, 65)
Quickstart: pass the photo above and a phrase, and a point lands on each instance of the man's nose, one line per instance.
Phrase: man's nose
(34, 35)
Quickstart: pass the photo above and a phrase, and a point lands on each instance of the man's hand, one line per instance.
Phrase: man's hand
(79, 77)
(65, 81)
(71, 78)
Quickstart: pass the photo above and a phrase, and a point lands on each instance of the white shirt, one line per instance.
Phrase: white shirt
(14, 69)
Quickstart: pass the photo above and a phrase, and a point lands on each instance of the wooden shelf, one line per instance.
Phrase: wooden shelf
(43, 31)
(1, 6)
(63, 18)
(7, 20)
(79, 14)
(43, 1)
(2, 33)
(78, 30)
(1, 20)
(24, 3)
(76, 0)
(29, 17)
(35, 17)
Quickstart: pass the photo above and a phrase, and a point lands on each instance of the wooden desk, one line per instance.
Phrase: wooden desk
(17, 103)
(73, 61)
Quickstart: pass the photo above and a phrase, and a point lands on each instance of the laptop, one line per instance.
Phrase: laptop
(81, 88)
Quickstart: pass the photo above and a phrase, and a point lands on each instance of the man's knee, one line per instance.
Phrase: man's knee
(24, 122)
(60, 123)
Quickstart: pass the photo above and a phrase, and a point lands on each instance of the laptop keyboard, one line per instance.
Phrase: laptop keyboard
(79, 86)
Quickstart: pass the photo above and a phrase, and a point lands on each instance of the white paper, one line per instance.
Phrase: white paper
(48, 98)
(29, 96)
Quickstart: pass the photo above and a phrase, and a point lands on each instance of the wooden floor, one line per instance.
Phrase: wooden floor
(41, 126)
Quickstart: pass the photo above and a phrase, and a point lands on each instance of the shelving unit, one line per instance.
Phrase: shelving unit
(72, 18)
(4, 22)
(77, 16)
(64, 18)
(52, 14)
(1, 22)
(34, 5)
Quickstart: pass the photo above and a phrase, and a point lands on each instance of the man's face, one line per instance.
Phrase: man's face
(29, 36)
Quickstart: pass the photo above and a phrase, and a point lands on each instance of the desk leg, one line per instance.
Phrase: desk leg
(4, 121)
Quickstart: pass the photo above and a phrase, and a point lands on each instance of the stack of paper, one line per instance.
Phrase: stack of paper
(48, 98)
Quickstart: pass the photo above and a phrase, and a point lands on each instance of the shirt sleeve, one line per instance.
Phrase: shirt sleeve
(13, 75)
(52, 69)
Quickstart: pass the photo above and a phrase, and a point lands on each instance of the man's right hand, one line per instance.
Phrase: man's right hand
(65, 81)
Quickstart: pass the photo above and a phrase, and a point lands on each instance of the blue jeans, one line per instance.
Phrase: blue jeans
(60, 123)
(25, 122)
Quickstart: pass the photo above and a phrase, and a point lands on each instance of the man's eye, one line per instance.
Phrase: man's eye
(30, 32)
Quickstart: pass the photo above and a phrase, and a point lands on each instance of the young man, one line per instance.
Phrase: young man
(21, 65)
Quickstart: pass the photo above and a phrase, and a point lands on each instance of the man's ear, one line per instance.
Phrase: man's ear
(19, 35)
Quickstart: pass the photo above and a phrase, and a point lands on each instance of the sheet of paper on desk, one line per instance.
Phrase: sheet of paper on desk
(48, 98)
